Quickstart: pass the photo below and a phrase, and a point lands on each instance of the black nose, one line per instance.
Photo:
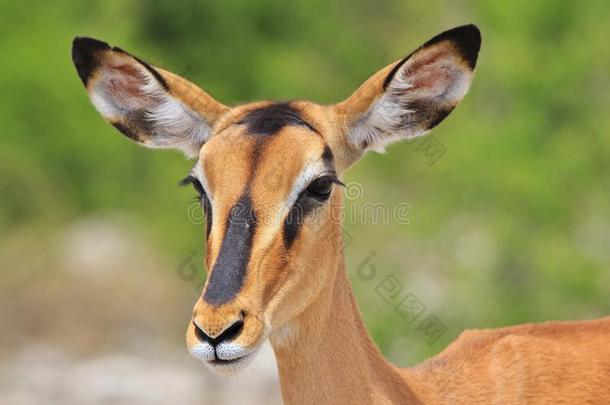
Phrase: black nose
(228, 334)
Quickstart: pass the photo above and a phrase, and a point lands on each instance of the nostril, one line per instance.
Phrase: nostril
(231, 332)
(228, 334)
(201, 334)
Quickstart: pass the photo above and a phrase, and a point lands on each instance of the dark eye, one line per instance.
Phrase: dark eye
(321, 187)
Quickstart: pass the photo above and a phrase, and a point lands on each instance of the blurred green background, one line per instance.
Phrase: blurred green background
(510, 225)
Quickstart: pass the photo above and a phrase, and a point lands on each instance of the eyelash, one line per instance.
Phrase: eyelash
(190, 179)
(327, 180)
(331, 179)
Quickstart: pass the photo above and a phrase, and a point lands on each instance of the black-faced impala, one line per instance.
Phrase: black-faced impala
(274, 248)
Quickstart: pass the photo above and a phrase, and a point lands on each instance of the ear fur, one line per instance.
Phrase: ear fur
(147, 104)
(410, 97)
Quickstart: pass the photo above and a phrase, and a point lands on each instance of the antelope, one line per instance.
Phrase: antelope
(274, 255)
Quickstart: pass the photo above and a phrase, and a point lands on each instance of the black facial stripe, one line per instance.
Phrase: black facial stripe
(229, 270)
(270, 119)
(296, 217)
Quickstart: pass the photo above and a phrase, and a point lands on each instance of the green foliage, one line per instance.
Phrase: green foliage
(514, 219)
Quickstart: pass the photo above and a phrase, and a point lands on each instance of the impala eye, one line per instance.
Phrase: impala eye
(321, 187)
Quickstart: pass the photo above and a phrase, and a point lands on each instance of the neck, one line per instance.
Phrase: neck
(330, 358)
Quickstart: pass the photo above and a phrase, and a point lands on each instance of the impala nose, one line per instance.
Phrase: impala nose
(229, 333)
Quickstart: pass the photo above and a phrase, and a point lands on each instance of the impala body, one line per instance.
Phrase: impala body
(268, 176)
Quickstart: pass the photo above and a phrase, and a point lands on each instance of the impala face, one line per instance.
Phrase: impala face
(269, 184)
(268, 175)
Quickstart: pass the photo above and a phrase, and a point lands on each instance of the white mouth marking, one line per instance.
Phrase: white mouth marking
(230, 351)
(203, 351)
(227, 359)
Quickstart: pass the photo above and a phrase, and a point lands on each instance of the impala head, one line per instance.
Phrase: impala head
(268, 174)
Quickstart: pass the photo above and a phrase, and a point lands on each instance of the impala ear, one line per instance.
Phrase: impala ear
(408, 98)
(149, 105)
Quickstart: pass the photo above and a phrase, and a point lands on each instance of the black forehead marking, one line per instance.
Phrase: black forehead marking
(228, 274)
(273, 117)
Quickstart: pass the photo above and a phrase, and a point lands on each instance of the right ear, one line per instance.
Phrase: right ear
(148, 105)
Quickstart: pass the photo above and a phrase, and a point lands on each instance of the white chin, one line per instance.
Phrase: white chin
(231, 367)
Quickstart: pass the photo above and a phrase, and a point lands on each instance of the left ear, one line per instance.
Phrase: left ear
(410, 97)
(149, 105)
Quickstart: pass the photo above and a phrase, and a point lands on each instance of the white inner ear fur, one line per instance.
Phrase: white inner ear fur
(426, 83)
(127, 88)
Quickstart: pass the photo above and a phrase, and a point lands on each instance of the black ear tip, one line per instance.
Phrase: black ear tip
(84, 50)
(467, 38)
(89, 43)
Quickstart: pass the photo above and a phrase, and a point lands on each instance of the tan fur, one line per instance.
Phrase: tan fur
(300, 297)
(192, 95)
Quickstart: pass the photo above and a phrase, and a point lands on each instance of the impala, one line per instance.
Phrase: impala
(268, 176)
